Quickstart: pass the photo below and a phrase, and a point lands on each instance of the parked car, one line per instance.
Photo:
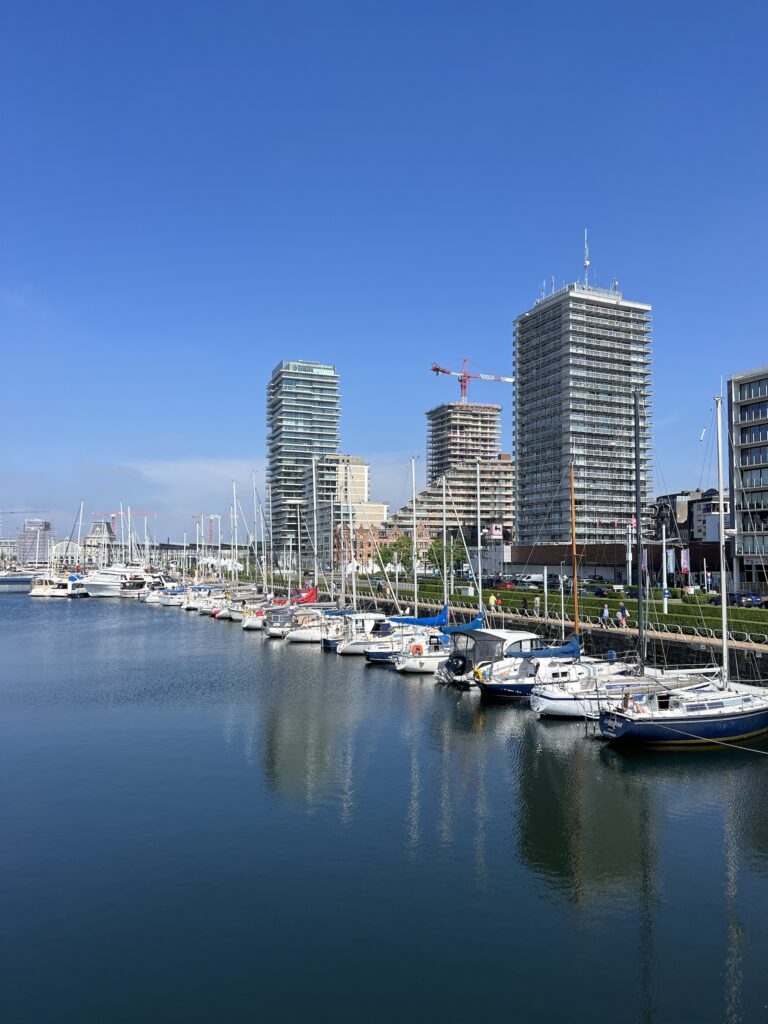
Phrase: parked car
(745, 599)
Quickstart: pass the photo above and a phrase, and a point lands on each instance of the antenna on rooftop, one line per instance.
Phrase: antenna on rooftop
(586, 260)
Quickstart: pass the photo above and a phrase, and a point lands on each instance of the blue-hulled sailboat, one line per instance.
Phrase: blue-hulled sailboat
(721, 714)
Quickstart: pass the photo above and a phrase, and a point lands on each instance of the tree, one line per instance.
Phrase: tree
(399, 551)
(435, 555)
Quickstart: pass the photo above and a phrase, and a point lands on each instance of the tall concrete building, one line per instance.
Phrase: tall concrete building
(302, 422)
(579, 355)
(460, 432)
(748, 430)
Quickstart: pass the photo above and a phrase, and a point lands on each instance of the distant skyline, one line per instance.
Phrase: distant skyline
(190, 193)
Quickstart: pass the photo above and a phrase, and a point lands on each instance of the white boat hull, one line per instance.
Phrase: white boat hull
(253, 622)
(106, 588)
(422, 664)
(311, 635)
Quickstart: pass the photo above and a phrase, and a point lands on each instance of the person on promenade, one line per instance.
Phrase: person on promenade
(524, 606)
(621, 615)
(492, 602)
(605, 616)
(536, 605)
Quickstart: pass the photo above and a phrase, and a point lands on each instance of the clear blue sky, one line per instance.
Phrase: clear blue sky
(191, 192)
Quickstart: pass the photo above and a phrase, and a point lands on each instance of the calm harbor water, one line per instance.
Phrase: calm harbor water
(201, 824)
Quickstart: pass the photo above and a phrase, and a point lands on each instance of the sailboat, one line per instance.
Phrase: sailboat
(720, 714)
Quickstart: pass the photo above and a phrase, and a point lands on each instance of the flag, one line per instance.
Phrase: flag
(634, 523)
(684, 560)
(645, 561)
(671, 561)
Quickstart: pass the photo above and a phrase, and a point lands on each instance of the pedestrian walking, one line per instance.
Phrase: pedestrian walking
(536, 605)
(622, 614)
(492, 602)
(605, 616)
(524, 606)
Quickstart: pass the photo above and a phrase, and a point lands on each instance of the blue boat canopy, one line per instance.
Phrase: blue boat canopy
(477, 623)
(570, 650)
(436, 620)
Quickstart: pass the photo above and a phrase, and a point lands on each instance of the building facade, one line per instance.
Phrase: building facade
(303, 409)
(460, 432)
(497, 501)
(579, 355)
(34, 542)
(748, 431)
(341, 488)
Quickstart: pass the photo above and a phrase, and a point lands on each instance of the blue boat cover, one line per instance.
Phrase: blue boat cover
(436, 620)
(570, 650)
(477, 623)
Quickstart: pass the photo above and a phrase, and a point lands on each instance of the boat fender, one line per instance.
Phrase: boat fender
(417, 649)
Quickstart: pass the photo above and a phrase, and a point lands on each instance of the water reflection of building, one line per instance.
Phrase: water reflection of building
(309, 733)
(582, 824)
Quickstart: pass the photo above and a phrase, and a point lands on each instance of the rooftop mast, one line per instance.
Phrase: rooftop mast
(586, 261)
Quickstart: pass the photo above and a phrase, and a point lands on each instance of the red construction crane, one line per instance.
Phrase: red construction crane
(465, 377)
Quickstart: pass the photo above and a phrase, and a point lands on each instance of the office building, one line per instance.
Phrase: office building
(461, 432)
(580, 353)
(748, 429)
(302, 424)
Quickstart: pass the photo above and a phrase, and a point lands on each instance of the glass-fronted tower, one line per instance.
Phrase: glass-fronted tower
(303, 408)
(579, 355)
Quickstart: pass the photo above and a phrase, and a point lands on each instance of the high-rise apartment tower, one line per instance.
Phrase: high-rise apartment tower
(580, 353)
(302, 423)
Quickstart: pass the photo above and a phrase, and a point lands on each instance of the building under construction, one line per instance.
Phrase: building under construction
(34, 542)
(459, 432)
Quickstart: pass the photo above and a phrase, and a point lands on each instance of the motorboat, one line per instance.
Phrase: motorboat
(425, 655)
(58, 586)
(475, 649)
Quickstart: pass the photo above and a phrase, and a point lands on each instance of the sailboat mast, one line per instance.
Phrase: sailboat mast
(234, 532)
(445, 553)
(316, 578)
(721, 517)
(271, 546)
(639, 521)
(574, 560)
(299, 578)
(330, 551)
(479, 542)
(413, 545)
(80, 527)
(352, 558)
